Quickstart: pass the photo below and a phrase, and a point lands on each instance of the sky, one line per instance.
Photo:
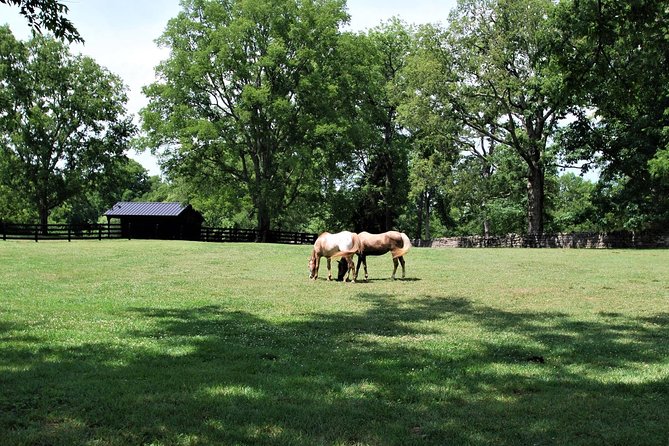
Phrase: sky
(120, 35)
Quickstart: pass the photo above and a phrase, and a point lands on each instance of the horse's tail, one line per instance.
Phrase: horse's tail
(357, 243)
(406, 246)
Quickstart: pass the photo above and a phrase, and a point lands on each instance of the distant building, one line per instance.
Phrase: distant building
(167, 221)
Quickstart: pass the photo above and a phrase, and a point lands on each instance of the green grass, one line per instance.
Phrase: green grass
(180, 343)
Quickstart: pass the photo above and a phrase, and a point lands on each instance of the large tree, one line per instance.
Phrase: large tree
(382, 154)
(500, 83)
(433, 140)
(62, 120)
(241, 100)
(615, 56)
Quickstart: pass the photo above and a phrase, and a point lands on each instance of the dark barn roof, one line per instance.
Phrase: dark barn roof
(143, 209)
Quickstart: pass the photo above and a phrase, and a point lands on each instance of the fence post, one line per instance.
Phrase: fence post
(36, 232)
(69, 232)
(4, 230)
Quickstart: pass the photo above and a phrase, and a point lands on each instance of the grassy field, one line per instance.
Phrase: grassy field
(178, 343)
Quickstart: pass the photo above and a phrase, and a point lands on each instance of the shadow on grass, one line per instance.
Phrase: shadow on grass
(392, 375)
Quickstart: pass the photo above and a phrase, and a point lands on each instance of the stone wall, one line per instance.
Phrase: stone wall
(577, 240)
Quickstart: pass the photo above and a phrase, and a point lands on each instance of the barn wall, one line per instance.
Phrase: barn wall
(165, 228)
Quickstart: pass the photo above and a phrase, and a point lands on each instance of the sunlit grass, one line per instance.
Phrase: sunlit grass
(177, 343)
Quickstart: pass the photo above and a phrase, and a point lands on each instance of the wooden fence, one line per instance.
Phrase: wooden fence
(99, 231)
(36, 232)
(253, 235)
(87, 231)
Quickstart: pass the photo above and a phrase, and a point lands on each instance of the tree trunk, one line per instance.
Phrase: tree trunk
(486, 226)
(264, 220)
(535, 199)
(43, 207)
(428, 231)
(43, 219)
(419, 225)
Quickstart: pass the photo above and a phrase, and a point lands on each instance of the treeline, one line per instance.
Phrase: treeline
(268, 115)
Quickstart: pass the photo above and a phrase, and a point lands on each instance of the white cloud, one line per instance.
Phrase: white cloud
(366, 14)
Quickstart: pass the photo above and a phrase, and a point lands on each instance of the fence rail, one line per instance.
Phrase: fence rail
(86, 231)
(99, 231)
(253, 235)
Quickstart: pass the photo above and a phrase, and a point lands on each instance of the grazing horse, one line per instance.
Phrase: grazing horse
(397, 243)
(343, 244)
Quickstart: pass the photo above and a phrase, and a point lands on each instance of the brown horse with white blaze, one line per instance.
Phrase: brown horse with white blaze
(397, 243)
(342, 244)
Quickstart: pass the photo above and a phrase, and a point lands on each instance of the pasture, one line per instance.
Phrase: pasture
(120, 342)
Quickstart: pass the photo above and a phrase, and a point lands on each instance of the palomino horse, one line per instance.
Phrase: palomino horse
(397, 243)
(343, 244)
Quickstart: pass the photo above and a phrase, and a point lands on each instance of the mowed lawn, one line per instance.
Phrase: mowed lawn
(180, 343)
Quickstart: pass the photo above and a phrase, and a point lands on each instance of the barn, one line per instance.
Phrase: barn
(150, 220)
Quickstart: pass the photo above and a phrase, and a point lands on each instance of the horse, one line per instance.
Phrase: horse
(342, 244)
(397, 243)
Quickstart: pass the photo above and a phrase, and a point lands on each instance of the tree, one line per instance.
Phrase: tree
(434, 135)
(499, 82)
(614, 56)
(243, 96)
(62, 120)
(47, 14)
(382, 150)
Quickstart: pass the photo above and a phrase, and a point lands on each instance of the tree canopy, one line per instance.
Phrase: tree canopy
(47, 15)
(63, 121)
(244, 95)
(270, 114)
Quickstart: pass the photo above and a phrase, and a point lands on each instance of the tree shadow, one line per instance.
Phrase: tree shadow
(393, 374)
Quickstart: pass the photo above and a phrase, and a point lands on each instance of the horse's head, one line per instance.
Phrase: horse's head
(342, 269)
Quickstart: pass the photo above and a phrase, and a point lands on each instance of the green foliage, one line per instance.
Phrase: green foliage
(266, 114)
(243, 97)
(498, 80)
(613, 57)
(63, 122)
(48, 15)
(659, 165)
(433, 130)
(573, 207)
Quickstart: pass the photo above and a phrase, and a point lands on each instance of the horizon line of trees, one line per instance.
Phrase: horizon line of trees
(266, 114)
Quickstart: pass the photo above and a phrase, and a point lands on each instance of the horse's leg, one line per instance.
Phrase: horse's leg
(395, 263)
(360, 259)
(317, 264)
(403, 269)
(329, 269)
(351, 267)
